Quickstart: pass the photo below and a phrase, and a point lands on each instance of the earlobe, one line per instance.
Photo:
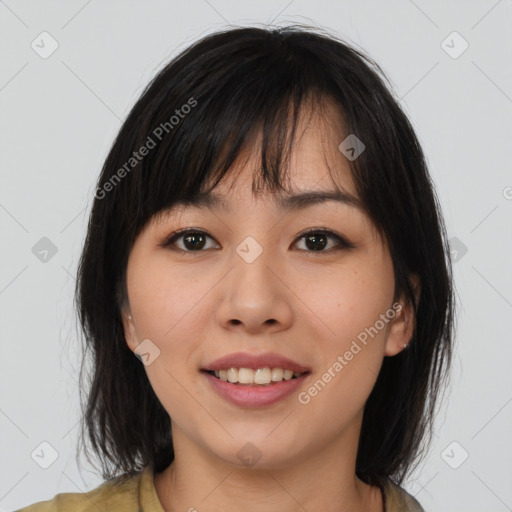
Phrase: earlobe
(129, 330)
(400, 332)
(402, 325)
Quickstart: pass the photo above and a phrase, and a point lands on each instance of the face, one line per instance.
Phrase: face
(322, 301)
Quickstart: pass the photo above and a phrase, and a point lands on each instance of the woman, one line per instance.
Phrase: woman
(266, 240)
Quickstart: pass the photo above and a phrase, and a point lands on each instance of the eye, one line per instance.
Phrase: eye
(193, 240)
(316, 240)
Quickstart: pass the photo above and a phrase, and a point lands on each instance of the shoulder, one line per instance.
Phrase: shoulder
(114, 495)
(399, 500)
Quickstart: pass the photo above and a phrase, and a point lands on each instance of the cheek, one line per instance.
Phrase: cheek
(351, 350)
(350, 303)
(166, 306)
(163, 299)
(351, 298)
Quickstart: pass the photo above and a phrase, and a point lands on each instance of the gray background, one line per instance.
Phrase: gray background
(61, 113)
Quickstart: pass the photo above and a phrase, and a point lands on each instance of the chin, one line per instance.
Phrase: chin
(257, 453)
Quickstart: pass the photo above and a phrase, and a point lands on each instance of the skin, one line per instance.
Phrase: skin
(199, 305)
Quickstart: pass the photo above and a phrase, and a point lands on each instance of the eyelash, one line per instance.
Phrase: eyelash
(342, 242)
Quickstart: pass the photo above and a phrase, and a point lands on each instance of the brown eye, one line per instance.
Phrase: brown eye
(316, 240)
(192, 240)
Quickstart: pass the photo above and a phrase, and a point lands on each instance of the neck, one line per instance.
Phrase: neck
(323, 479)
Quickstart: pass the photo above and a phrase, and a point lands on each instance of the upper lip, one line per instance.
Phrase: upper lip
(255, 361)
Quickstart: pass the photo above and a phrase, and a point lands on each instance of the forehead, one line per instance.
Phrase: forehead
(315, 172)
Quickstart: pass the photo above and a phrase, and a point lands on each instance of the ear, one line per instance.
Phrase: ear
(402, 325)
(130, 331)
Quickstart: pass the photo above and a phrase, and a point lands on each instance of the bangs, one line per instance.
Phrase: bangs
(226, 128)
(269, 134)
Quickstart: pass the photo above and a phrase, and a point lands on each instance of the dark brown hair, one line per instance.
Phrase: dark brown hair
(194, 118)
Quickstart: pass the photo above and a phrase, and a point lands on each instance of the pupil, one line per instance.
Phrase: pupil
(315, 238)
(190, 238)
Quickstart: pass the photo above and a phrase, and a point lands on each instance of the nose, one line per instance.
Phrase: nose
(255, 296)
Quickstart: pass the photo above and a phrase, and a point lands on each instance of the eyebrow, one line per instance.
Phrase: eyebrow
(291, 202)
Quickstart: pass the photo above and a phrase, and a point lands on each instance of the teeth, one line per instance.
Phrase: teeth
(259, 376)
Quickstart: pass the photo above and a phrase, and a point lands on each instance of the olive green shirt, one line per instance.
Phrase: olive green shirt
(138, 494)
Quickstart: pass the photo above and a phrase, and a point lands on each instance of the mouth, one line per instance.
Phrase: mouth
(250, 394)
(260, 377)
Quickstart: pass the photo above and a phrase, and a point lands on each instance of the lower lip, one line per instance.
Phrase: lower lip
(257, 395)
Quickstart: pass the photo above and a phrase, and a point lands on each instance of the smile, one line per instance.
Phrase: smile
(260, 376)
(252, 394)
